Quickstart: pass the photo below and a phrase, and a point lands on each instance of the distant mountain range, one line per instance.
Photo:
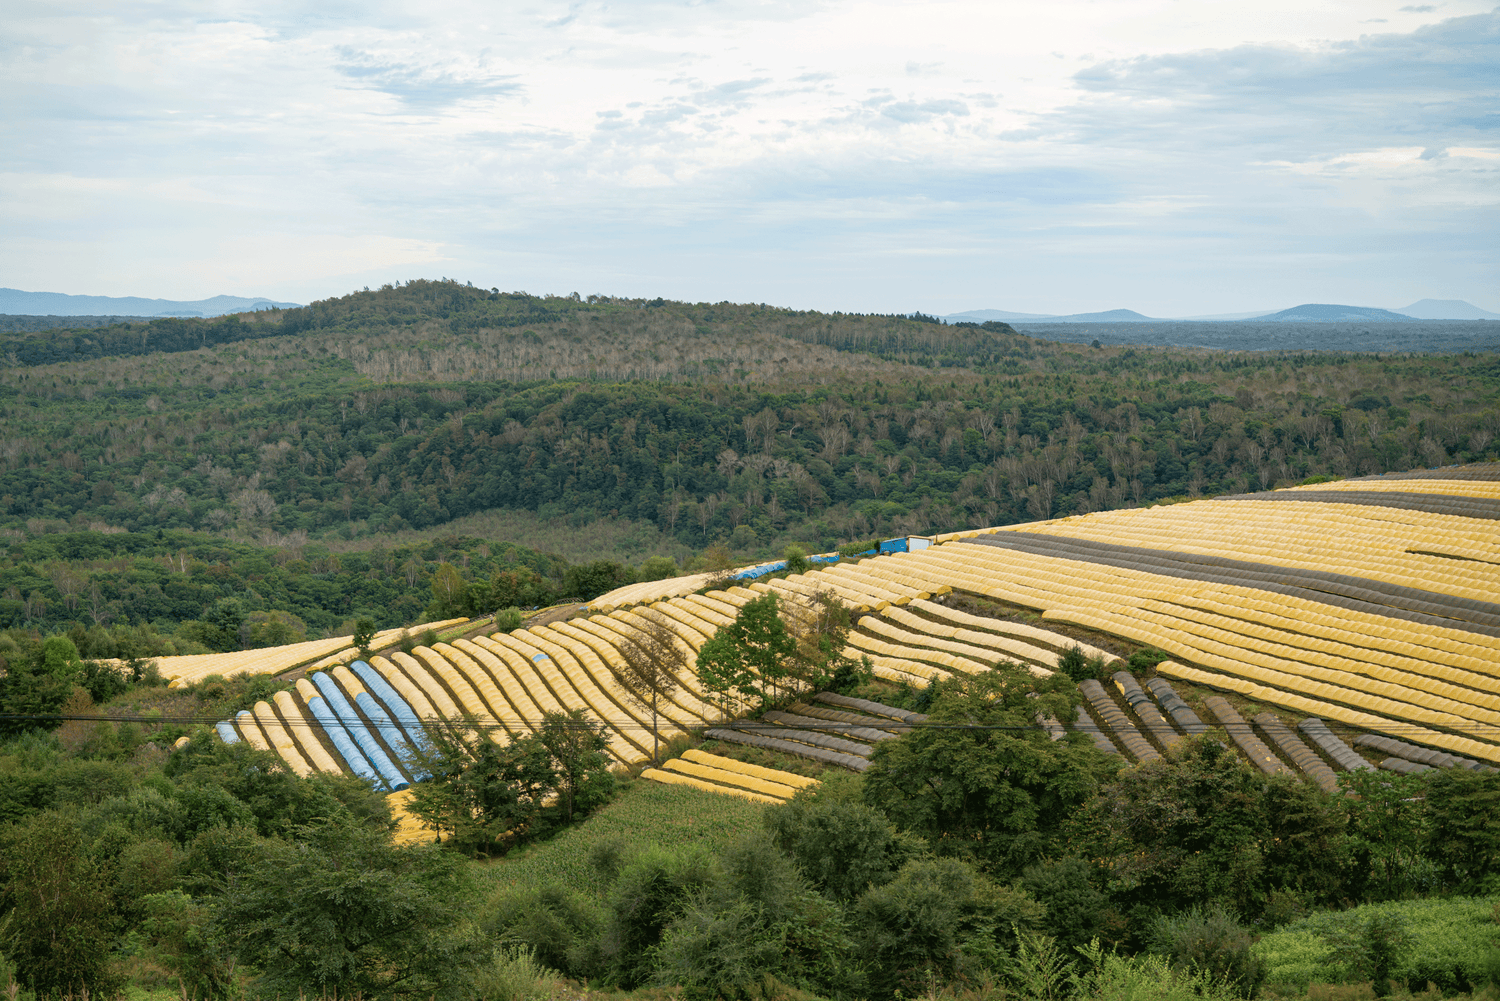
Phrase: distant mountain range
(1426, 309)
(1447, 309)
(16, 302)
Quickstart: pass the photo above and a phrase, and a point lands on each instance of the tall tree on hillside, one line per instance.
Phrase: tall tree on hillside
(652, 664)
(749, 659)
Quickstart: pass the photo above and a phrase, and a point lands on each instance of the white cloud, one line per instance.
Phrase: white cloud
(768, 151)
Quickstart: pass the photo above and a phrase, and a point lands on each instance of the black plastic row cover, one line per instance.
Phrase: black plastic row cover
(1119, 724)
(1086, 724)
(1343, 755)
(849, 761)
(1239, 731)
(1180, 711)
(1150, 716)
(874, 708)
(1462, 507)
(1302, 756)
(1403, 766)
(801, 736)
(854, 730)
(1360, 594)
(858, 719)
(1412, 752)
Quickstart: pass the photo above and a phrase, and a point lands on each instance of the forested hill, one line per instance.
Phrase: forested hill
(444, 323)
(403, 409)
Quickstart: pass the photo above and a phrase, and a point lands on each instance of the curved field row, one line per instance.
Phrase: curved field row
(315, 654)
(1371, 542)
(1046, 581)
(1220, 658)
(1487, 489)
(675, 778)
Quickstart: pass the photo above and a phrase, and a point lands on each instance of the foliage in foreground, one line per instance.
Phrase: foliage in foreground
(486, 797)
(1452, 942)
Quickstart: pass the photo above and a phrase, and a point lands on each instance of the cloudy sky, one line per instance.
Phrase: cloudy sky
(1175, 157)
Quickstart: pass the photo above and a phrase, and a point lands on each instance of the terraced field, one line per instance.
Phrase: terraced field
(313, 654)
(1352, 622)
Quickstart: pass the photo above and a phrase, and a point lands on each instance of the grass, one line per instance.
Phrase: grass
(644, 813)
(1454, 935)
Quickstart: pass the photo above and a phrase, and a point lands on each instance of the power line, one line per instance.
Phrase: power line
(666, 722)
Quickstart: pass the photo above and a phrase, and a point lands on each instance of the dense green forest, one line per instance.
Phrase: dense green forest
(238, 446)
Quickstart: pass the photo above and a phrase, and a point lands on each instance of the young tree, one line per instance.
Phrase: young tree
(747, 660)
(819, 628)
(58, 903)
(450, 595)
(577, 745)
(480, 791)
(364, 634)
(653, 662)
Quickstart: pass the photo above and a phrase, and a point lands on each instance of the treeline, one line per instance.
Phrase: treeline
(751, 466)
(15, 323)
(157, 594)
(123, 339)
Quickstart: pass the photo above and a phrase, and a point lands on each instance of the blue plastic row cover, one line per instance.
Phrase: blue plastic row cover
(399, 707)
(226, 732)
(361, 734)
(340, 739)
(394, 738)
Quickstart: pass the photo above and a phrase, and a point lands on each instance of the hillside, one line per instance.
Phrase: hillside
(1117, 726)
(622, 429)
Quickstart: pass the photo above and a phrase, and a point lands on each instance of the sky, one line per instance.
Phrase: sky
(1175, 157)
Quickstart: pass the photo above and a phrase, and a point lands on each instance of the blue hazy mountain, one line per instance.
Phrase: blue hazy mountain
(1108, 316)
(18, 303)
(1447, 309)
(1317, 312)
(981, 315)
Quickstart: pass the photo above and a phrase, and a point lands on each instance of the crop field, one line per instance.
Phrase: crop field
(313, 654)
(1358, 611)
(645, 814)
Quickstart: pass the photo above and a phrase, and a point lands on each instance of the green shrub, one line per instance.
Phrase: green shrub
(653, 889)
(1146, 978)
(513, 973)
(1075, 665)
(1143, 662)
(553, 924)
(1370, 948)
(844, 848)
(796, 559)
(939, 918)
(508, 620)
(657, 568)
(1211, 941)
